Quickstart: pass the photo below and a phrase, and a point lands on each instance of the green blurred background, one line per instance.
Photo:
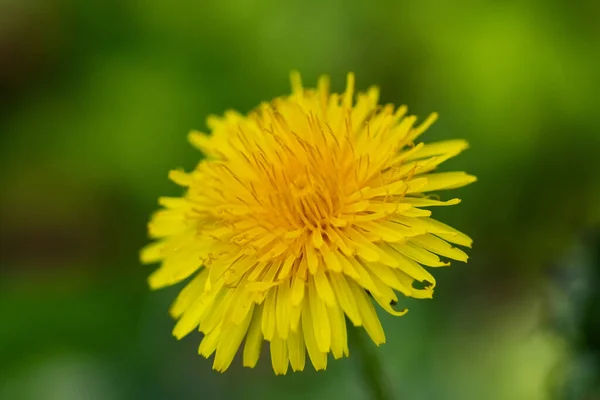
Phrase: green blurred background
(96, 99)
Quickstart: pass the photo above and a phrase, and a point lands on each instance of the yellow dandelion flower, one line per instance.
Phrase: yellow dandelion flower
(299, 215)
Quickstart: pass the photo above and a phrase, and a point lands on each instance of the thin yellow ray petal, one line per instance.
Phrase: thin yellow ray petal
(286, 268)
(439, 246)
(298, 283)
(238, 269)
(180, 177)
(336, 238)
(401, 230)
(323, 287)
(269, 314)
(295, 311)
(419, 254)
(368, 315)
(347, 266)
(173, 202)
(188, 294)
(191, 317)
(348, 95)
(296, 350)
(412, 268)
(446, 232)
(416, 132)
(364, 247)
(345, 298)
(279, 355)
(388, 308)
(446, 180)
(311, 258)
(317, 357)
(254, 339)
(453, 147)
(153, 252)
(331, 261)
(383, 232)
(296, 82)
(214, 315)
(282, 309)
(425, 293)
(320, 319)
(240, 306)
(414, 212)
(168, 223)
(426, 202)
(384, 280)
(202, 142)
(229, 344)
(339, 339)
(317, 239)
(209, 342)
(364, 279)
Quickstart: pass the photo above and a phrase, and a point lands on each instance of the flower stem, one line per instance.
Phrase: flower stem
(370, 365)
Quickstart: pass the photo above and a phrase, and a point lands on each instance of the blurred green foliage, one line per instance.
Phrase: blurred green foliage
(96, 99)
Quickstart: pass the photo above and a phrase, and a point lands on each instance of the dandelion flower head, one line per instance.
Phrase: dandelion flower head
(299, 217)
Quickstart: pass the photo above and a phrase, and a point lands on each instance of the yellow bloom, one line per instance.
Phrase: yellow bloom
(298, 215)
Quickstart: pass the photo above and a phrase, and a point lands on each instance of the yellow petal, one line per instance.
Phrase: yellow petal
(317, 239)
(286, 268)
(324, 288)
(188, 294)
(167, 223)
(426, 202)
(317, 357)
(229, 343)
(181, 178)
(298, 283)
(384, 280)
(241, 304)
(346, 298)
(202, 142)
(254, 339)
(331, 261)
(444, 147)
(348, 95)
(363, 246)
(153, 252)
(447, 233)
(311, 258)
(269, 315)
(424, 293)
(282, 309)
(193, 314)
(415, 132)
(296, 350)
(279, 355)
(339, 339)
(296, 82)
(447, 180)
(439, 246)
(414, 269)
(419, 254)
(295, 311)
(364, 279)
(347, 266)
(214, 315)
(209, 342)
(337, 239)
(368, 315)
(320, 319)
